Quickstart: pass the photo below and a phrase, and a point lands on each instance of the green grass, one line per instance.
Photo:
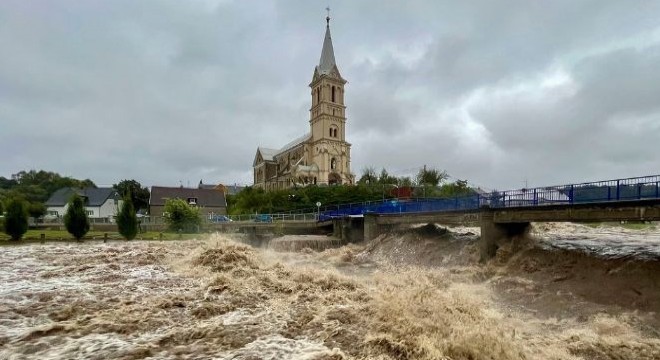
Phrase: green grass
(63, 235)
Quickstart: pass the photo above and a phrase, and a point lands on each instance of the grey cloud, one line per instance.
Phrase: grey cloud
(164, 91)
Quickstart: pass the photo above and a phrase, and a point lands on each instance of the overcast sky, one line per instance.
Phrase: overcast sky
(496, 92)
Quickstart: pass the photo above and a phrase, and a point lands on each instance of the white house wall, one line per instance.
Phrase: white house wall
(61, 210)
(108, 209)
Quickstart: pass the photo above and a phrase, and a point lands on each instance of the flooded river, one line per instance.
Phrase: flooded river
(573, 292)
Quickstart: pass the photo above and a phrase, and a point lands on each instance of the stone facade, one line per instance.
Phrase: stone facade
(321, 156)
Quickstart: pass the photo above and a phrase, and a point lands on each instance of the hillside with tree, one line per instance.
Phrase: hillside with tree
(35, 187)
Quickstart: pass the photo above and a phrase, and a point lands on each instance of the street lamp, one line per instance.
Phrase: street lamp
(318, 211)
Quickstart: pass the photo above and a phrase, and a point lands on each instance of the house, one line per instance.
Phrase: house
(100, 203)
(209, 201)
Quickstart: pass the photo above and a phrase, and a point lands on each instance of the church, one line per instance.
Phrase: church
(322, 156)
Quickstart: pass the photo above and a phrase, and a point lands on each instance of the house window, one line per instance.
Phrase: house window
(192, 201)
(90, 212)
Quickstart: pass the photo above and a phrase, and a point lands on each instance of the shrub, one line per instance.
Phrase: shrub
(127, 220)
(16, 219)
(180, 216)
(75, 219)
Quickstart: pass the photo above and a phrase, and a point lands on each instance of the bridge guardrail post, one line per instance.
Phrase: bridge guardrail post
(571, 195)
(618, 193)
(639, 191)
(657, 189)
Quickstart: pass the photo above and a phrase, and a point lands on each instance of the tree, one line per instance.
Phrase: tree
(430, 177)
(38, 186)
(368, 176)
(405, 181)
(127, 220)
(386, 178)
(16, 219)
(7, 183)
(138, 194)
(2, 209)
(37, 210)
(75, 219)
(181, 217)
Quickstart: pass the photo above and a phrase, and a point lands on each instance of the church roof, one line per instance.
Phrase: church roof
(327, 61)
(268, 154)
(294, 143)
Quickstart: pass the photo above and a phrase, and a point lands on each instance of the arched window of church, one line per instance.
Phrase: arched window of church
(330, 133)
(318, 95)
(333, 94)
(333, 164)
(335, 132)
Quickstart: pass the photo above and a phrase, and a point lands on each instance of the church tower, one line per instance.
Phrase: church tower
(330, 151)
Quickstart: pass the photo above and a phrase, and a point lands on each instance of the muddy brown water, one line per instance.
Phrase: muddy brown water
(416, 294)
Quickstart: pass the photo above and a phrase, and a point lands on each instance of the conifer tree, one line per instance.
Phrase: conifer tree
(75, 219)
(16, 219)
(127, 220)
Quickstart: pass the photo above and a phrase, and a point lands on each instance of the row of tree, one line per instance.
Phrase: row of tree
(76, 220)
(425, 177)
(371, 186)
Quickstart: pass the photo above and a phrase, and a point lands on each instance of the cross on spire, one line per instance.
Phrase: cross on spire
(327, 19)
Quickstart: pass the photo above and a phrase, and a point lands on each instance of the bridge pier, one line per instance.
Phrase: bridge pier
(337, 224)
(371, 228)
(493, 234)
(348, 229)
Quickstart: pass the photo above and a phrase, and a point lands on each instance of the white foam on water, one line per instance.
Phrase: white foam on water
(278, 347)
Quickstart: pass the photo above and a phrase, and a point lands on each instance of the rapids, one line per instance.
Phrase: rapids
(572, 292)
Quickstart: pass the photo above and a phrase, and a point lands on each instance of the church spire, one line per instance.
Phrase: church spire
(327, 61)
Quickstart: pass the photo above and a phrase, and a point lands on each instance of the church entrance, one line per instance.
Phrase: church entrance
(334, 179)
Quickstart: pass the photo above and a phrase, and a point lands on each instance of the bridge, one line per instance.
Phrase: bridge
(505, 215)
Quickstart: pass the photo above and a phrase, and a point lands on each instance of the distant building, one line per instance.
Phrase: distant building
(230, 189)
(321, 156)
(99, 202)
(225, 189)
(209, 201)
(201, 185)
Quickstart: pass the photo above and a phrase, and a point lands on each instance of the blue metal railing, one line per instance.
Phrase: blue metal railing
(638, 188)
